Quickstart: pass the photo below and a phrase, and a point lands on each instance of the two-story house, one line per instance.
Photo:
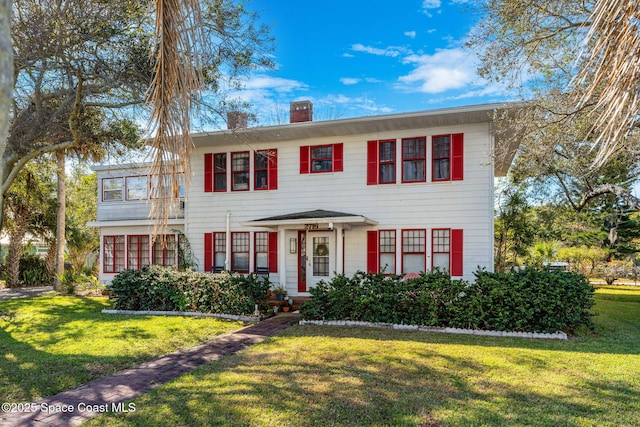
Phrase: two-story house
(302, 201)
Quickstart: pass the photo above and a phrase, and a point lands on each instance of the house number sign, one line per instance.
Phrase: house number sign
(311, 227)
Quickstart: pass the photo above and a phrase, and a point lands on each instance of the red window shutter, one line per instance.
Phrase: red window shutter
(457, 156)
(372, 162)
(304, 159)
(273, 252)
(456, 252)
(338, 157)
(373, 258)
(208, 173)
(208, 251)
(273, 169)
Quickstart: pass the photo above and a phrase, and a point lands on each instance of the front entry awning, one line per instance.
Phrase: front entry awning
(318, 216)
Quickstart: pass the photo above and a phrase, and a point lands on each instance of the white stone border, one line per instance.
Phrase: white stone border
(557, 336)
(253, 319)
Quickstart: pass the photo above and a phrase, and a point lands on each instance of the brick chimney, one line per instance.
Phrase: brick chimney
(300, 111)
(236, 120)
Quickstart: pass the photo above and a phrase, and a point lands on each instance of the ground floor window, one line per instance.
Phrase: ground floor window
(113, 254)
(165, 250)
(387, 244)
(441, 248)
(413, 251)
(240, 252)
(137, 251)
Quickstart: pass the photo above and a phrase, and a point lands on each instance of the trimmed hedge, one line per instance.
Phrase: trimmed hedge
(525, 301)
(167, 289)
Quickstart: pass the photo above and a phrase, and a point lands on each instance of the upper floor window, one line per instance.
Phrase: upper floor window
(266, 170)
(169, 186)
(414, 159)
(448, 159)
(321, 158)
(381, 162)
(240, 171)
(137, 187)
(112, 189)
(220, 172)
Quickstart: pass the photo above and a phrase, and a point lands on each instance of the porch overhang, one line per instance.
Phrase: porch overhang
(318, 216)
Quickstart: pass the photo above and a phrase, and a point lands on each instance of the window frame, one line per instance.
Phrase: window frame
(438, 158)
(121, 189)
(119, 254)
(437, 244)
(222, 172)
(422, 159)
(164, 249)
(245, 245)
(260, 246)
(219, 246)
(423, 252)
(313, 159)
(239, 172)
(144, 187)
(141, 248)
(381, 252)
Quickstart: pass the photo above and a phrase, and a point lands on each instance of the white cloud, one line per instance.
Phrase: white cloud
(431, 4)
(389, 51)
(410, 34)
(276, 84)
(349, 81)
(446, 69)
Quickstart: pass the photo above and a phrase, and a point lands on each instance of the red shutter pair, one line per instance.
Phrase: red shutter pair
(272, 171)
(337, 161)
(457, 159)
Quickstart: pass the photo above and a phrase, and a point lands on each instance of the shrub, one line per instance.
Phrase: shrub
(33, 271)
(530, 300)
(167, 289)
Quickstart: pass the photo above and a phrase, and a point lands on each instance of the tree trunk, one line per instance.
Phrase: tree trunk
(60, 222)
(50, 261)
(16, 238)
(6, 85)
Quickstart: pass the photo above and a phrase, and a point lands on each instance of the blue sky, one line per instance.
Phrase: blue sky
(356, 58)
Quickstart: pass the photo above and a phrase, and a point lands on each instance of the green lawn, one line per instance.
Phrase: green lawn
(315, 376)
(50, 344)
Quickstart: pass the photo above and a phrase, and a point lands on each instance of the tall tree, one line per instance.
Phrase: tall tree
(83, 69)
(539, 49)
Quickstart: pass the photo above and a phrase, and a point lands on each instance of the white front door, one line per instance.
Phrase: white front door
(321, 256)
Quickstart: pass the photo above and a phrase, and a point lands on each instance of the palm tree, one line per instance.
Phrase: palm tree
(172, 95)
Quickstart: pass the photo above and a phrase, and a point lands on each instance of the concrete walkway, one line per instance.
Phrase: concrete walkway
(10, 293)
(111, 393)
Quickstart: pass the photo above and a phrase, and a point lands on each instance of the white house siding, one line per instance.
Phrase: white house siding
(466, 204)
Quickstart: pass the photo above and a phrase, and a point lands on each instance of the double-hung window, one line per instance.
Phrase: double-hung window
(413, 251)
(321, 158)
(448, 158)
(137, 187)
(414, 159)
(447, 250)
(240, 171)
(112, 189)
(381, 162)
(240, 252)
(266, 170)
(220, 172)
